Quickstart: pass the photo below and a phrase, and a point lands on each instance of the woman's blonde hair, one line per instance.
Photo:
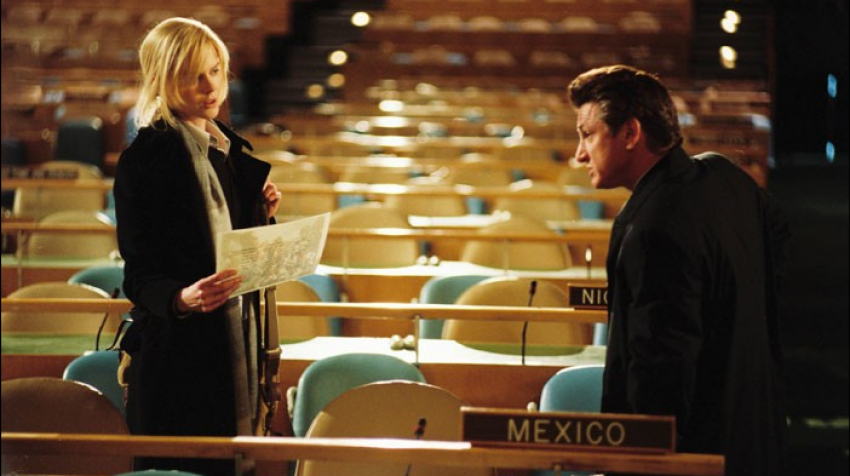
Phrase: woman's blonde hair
(171, 56)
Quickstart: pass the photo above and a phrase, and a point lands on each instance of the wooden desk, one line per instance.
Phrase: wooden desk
(404, 285)
(399, 451)
(358, 285)
(15, 274)
(471, 372)
(593, 233)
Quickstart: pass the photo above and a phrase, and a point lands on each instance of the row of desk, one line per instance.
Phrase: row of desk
(468, 371)
(465, 369)
(358, 285)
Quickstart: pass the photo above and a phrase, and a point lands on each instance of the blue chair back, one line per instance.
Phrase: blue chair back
(100, 370)
(600, 334)
(328, 378)
(574, 389)
(14, 152)
(442, 290)
(130, 128)
(328, 291)
(81, 140)
(324, 285)
(108, 278)
(237, 98)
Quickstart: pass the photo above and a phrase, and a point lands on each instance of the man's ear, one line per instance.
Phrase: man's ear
(633, 133)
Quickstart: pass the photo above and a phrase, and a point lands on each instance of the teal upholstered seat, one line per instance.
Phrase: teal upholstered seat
(330, 377)
(442, 290)
(100, 370)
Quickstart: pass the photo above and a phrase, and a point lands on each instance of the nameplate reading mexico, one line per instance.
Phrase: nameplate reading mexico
(559, 430)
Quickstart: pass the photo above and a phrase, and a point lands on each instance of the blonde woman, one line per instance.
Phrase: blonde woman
(185, 178)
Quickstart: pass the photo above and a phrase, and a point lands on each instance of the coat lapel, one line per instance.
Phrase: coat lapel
(669, 166)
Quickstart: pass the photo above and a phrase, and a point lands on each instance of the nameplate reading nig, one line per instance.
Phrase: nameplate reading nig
(588, 297)
(561, 430)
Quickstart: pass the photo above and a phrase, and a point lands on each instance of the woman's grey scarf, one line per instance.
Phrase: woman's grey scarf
(242, 332)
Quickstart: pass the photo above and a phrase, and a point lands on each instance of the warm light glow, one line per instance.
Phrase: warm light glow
(391, 105)
(729, 53)
(733, 16)
(360, 19)
(588, 255)
(731, 20)
(336, 80)
(338, 58)
(315, 91)
(362, 127)
(391, 122)
(728, 57)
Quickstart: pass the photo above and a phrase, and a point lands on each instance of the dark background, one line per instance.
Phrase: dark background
(810, 42)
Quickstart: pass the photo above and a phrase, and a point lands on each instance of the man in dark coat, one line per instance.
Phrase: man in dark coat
(693, 264)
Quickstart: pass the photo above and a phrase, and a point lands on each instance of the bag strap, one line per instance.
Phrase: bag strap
(270, 385)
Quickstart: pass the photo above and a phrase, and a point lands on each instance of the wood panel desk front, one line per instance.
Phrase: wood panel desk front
(405, 451)
(404, 284)
(484, 375)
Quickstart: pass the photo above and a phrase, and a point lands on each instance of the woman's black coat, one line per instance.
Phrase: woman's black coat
(180, 376)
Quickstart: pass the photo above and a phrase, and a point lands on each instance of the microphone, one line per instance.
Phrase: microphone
(418, 433)
(532, 288)
(114, 295)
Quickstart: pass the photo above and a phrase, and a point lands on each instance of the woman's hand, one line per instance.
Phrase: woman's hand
(272, 196)
(208, 294)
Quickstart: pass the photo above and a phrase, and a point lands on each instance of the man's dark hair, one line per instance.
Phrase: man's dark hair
(623, 92)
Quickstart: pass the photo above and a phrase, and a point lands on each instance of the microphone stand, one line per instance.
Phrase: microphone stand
(532, 288)
(418, 432)
(114, 295)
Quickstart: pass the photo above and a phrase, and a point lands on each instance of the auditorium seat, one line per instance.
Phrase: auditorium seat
(558, 209)
(485, 23)
(108, 278)
(100, 370)
(513, 291)
(534, 25)
(36, 203)
(573, 389)
(285, 173)
(408, 410)
(14, 155)
(446, 22)
(479, 170)
(53, 405)
(518, 255)
(80, 245)
(81, 140)
(374, 175)
(299, 327)
(368, 252)
(328, 378)
(425, 205)
(442, 290)
(328, 291)
(577, 176)
(58, 322)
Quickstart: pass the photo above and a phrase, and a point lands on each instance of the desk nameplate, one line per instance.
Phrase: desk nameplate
(588, 296)
(560, 430)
